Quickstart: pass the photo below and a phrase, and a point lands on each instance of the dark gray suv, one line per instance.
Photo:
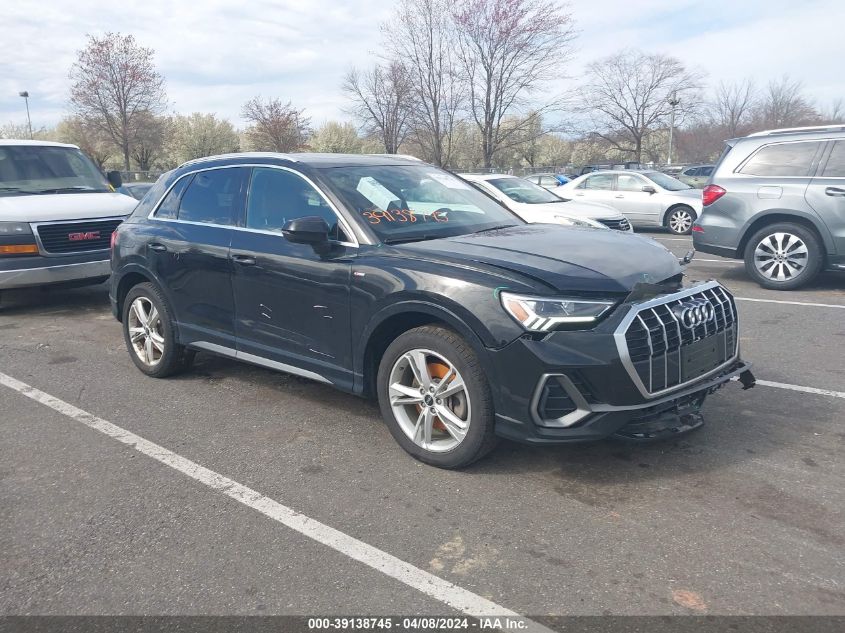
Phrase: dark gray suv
(777, 200)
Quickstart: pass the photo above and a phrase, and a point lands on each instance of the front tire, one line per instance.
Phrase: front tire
(679, 220)
(435, 397)
(783, 256)
(150, 333)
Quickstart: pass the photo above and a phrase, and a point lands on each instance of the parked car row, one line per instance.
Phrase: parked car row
(646, 198)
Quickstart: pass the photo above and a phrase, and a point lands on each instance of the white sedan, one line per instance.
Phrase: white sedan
(646, 198)
(533, 203)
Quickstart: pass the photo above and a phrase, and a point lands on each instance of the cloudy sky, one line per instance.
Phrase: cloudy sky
(216, 54)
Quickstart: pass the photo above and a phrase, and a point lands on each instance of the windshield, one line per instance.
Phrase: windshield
(520, 190)
(667, 182)
(408, 203)
(34, 169)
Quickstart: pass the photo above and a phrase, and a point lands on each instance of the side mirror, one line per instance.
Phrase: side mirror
(114, 178)
(649, 189)
(311, 229)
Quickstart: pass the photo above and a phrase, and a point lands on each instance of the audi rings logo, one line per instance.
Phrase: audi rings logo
(693, 313)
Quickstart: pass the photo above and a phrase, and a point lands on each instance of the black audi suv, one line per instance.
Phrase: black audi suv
(389, 278)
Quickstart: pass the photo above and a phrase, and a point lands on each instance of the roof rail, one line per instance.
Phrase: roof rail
(204, 159)
(793, 130)
(405, 156)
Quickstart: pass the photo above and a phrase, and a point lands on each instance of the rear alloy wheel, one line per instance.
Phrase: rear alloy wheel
(435, 398)
(783, 256)
(149, 332)
(680, 219)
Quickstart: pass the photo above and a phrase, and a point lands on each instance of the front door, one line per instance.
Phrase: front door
(639, 206)
(191, 252)
(292, 300)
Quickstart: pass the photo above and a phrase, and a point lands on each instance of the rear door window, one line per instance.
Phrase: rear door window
(214, 197)
(169, 207)
(782, 160)
(600, 181)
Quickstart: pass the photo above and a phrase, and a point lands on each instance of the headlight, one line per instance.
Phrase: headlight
(582, 222)
(15, 228)
(540, 314)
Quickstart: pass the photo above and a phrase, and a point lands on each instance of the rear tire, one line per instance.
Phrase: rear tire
(150, 334)
(783, 256)
(435, 397)
(679, 220)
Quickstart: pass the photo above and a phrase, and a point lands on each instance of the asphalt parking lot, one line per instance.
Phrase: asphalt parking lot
(744, 516)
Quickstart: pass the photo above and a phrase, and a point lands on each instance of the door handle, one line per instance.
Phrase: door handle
(156, 246)
(836, 192)
(244, 260)
(620, 196)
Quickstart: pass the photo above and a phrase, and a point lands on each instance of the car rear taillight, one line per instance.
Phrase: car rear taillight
(697, 229)
(113, 239)
(711, 193)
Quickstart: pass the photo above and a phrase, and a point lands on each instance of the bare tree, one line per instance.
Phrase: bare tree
(627, 96)
(420, 34)
(836, 113)
(507, 48)
(89, 138)
(114, 84)
(784, 105)
(151, 133)
(275, 126)
(339, 138)
(734, 105)
(381, 97)
(201, 135)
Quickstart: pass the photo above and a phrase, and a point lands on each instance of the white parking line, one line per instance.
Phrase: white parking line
(792, 303)
(446, 592)
(672, 239)
(819, 392)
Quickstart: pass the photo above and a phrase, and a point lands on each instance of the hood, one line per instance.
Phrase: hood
(64, 206)
(565, 259)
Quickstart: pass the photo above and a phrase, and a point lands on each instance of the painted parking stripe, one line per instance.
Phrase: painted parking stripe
(442, 590)
(793, 303)
(813, 390)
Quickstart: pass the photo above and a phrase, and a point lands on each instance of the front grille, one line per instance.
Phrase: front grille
(76, 237)
(657, 343)
(617, 225)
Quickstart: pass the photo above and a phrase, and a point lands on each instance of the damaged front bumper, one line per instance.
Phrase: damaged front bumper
(652, 420)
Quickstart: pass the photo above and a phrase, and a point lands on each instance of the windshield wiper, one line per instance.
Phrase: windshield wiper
(495, 228)
(415, 238)
(75, 189)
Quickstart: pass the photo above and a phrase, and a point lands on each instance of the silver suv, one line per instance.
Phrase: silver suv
(777, 200)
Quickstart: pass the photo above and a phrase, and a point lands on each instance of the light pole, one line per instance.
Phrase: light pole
(25, 95)
(674, 102)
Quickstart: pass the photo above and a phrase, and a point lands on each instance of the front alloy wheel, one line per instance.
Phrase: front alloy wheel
(680, 220)
(429, 399)
(435, 397)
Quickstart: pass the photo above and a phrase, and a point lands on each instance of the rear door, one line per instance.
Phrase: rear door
(826, 193)
(190, 252)
(292, 300)
(596, 188)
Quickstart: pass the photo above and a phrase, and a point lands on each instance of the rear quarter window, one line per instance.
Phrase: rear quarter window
(782, 160)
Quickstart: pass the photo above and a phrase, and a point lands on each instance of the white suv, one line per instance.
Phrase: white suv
(57, 214)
